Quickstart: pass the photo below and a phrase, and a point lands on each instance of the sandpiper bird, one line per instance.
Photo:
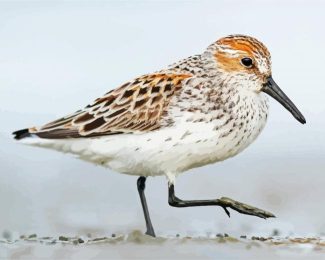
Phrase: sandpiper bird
(198, 111)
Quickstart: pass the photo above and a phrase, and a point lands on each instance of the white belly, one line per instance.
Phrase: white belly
(171, 150)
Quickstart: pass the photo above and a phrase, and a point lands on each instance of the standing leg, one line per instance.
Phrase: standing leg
(141, 183)
(222, 202)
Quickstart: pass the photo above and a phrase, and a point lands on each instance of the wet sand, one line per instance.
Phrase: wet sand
(138, 245)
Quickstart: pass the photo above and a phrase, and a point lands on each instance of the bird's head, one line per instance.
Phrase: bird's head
(247, 62)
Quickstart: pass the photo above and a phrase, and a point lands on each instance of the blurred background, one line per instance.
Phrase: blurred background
(56, 57)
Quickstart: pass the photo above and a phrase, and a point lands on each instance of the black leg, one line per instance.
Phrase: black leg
(141, 183)
(222, 202)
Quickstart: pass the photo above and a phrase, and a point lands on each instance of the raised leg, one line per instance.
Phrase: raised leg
(222, 202)
(141, 183)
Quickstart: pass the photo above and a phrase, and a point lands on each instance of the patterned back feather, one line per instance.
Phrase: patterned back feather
(133, 107)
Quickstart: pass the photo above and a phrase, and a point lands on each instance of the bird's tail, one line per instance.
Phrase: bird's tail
(21, 134)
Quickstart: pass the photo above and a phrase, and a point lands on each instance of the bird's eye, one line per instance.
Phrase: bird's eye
(247, 62)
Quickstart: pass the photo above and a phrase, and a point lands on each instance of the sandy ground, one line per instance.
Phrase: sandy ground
(137, 245)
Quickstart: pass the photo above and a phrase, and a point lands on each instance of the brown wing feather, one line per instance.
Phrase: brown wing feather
(136, 106)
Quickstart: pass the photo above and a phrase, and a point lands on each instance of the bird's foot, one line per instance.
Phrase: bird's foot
(243, 208)
(150, 232)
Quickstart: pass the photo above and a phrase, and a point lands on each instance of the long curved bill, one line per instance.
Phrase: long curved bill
(272, 89)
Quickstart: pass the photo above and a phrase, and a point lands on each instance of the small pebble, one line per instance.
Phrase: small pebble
(6, 234)
(275, 232)
(62, 238)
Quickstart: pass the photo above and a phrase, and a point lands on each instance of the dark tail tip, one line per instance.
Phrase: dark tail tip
(20, 134)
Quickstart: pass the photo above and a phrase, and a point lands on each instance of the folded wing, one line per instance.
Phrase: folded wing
(136, 106)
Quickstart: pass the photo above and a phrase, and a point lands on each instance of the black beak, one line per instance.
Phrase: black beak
(272, 89)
